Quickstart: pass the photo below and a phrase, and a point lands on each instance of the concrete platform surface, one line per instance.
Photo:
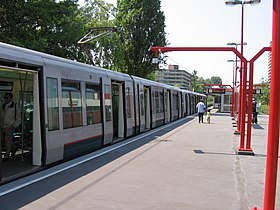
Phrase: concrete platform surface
(186, 166)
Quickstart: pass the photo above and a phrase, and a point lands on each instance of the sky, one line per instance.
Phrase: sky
(210, 23)
(206, 23)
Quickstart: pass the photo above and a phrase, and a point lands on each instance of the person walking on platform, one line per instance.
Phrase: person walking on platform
(10, 119)
(255, 111)
(200, 109)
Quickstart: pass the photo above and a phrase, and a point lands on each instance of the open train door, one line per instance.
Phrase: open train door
(118, 110)
(23, 82)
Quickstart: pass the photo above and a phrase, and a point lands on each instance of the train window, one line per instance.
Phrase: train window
(227, 99)
(52, 103)
(93, 105)
(175, 101)
(107, 97)
(128, 102)
(71, 104)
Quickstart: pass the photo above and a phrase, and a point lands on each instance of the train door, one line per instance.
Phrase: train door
(192, 104)
(167, 106)
(142, 109)
(175, 105)
(107, 111)
(179, 95)
(24, 85)
(182, 105)
(137, 108)
(187, 104)
(118, 111)
(129, 109)
(147, 97)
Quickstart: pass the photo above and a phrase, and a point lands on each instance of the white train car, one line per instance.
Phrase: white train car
(70, 108)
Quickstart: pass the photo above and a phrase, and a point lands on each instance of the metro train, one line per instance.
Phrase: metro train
(70, 108)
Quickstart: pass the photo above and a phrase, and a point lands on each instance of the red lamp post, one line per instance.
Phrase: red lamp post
(233, 101)
(235, 81)
(242, 3)
(274, 115)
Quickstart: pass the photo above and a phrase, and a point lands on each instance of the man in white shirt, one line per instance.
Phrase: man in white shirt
(200, 109)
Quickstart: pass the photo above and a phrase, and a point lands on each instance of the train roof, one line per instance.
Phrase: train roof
(154, 83)
(31, 57)
(11, 53)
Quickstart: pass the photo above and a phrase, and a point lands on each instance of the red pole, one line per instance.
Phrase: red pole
(250, 95)
(233, 94)
(243, 108)
(250, 107)
(274, 115)
(232, 102)
(240, 101)
(240, 97)
(235, 88)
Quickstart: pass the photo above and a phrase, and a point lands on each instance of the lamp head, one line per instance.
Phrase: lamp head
(232, 43)
(233, 2)
(252, 2)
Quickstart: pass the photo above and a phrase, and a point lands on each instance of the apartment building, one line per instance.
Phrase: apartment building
(174, 76)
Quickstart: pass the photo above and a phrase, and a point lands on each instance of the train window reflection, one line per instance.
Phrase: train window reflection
(107, 97)
(93, 104)
(52, 103)
(71, 104)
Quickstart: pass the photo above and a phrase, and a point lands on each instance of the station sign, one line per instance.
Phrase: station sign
(255, 91)
(216, 90)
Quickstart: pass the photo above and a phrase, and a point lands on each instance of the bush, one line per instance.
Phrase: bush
(264, 109)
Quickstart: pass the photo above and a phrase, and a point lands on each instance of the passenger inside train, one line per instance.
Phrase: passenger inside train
(10, 120)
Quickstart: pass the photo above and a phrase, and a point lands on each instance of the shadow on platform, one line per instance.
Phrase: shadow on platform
(63, 178)
(199, 151)
(257, 126)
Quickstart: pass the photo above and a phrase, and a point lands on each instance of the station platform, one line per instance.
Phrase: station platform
(185, 165)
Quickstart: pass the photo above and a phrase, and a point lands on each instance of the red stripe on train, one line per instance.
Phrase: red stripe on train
(81, 140)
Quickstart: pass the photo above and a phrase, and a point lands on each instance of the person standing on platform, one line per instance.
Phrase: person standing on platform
(255, 111)
(10, 120)
(200, 109)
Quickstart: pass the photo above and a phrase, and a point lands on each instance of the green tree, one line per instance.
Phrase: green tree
(213, 80)
(265, 95)
(48, 26)
(197, 83)
(208, 81)
(142, 25)
(103, 50)
(216, 80)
